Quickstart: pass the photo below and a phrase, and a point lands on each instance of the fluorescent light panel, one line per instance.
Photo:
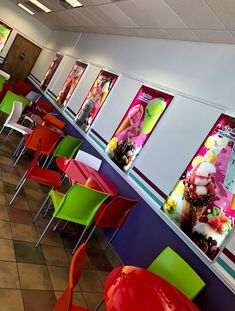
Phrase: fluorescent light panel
(40, 5)
(25, 8)
(74, 3)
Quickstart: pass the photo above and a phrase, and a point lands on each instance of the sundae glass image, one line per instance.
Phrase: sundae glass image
(229, 181)
(199, 192)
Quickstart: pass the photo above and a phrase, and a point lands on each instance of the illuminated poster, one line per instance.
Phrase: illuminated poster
(70, 83)
(95, 99)
(51, 70)
(137, 125)
(202, 202)
(5, 32)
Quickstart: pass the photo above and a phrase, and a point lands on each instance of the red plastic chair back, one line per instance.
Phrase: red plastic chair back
(42, 105)
(34, 162)
(22, 88)
(65, 301)
(48, 138)
(6, 87)
(53, 121)
(114, 213)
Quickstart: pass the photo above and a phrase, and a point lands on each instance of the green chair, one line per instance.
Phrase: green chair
(2, 81)
(66, 148)
(171, 267)
(78, 205)
(7, 102)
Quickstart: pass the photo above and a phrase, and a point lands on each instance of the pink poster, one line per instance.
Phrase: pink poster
(202, 202)
(71, 83)
(95, 99)
(137, 125)
(51, 70)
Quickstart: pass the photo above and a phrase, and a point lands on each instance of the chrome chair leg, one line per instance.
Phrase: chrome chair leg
(18, 190)
(99, 305)
(50, 161)
(22, 151)
(22, 178)
(90, 234)
(47, 209)
(18, 148)
(44, 232)
(8, 134)
(41, 208)
(113, 236)
(56, 226)
(78, 242)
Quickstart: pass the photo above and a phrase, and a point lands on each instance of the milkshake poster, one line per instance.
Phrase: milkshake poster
(70, 84)
(136, 126)
(51, 70)
(202, 202)
(95, 99)
(5, 32)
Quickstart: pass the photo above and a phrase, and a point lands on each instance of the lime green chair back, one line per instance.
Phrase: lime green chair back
(67, 147)
(7, 102)
(171, 267)
(78, 205)
(2, 81)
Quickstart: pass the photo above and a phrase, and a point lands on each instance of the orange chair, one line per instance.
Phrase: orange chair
(49, 140)
(51, 120)
(45, 176)
(65, 302)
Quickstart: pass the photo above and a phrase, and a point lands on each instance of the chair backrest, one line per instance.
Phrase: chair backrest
(67, 146)
(53, 121)
(33, 96)
(114, 213)
(65, 301)
(171, 267)
(5, 74)
(35, 159)
(7, 102)
(15, 114)
(88, 159)
(22, 88)
(80, 204)
(42, 105)
(49, 139)
(6, 87)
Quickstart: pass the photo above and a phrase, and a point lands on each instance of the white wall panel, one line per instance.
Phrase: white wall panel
(62, 41)
(42, 64)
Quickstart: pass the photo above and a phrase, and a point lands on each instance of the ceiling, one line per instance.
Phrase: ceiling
(190, 20)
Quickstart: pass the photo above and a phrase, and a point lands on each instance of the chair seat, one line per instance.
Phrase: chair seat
(19, 128)
(45, 176)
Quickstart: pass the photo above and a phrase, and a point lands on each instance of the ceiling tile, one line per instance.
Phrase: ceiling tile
(154, 33)
(225, 11)
(196, 14)
(215, 36)
(182, 34)
(161, 13)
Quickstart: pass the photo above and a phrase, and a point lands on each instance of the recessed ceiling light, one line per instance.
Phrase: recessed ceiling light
(25, 8)
(40, 5)
(74, 3)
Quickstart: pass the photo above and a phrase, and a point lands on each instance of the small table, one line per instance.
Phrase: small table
(86, 175)
(129, 288)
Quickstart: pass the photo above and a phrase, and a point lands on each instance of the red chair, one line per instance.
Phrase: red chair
(22, 88)
(6, 87)
(112, 215)
(44, 106)
(45, 176)
(51, 120)
(49, 140)
(65, 301)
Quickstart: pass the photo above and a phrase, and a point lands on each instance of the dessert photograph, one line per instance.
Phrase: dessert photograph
(202, 202)
(50, 72)
(136, 126)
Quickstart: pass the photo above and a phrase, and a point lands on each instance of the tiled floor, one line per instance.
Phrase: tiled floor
(32, 278)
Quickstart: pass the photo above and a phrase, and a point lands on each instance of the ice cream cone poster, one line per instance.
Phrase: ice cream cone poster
(95, 99)
(71, 83)
(202, 202)
(5, 32)
(137, 125)
(51, 70)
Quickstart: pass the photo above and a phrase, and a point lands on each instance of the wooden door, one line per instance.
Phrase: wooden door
(20, 58)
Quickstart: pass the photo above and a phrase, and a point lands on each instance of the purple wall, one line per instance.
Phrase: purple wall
(144, 235)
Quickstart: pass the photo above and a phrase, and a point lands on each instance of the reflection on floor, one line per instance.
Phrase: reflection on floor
(31, 279)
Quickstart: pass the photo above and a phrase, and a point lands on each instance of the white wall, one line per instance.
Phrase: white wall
(22, 23)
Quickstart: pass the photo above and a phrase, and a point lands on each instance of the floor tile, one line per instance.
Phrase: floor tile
(93, 299)
(20, 216)
(78, 298)
(99, 261)
(7, 250)
(4, 212)
(90, 282)
(11, 300)
(35, 300)
(20, 201)
(9, 275)
(5, 229)
(34, 277)
(50, 238)
(27, 253)
(102, 275)
(59, 277)
(35, 195)
(55, 256)
(23, 232)
(2, 199)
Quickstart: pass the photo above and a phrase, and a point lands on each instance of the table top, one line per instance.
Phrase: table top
(84, 174)
(130, 288)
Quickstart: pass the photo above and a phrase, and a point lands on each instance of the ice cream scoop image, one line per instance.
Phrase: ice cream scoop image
(153, 110)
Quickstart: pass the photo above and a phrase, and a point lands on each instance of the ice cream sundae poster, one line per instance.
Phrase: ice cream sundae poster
(202, 202)
(136, 126)
(50, 72)
(70, 83)
(95, 99)
(5, 32)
